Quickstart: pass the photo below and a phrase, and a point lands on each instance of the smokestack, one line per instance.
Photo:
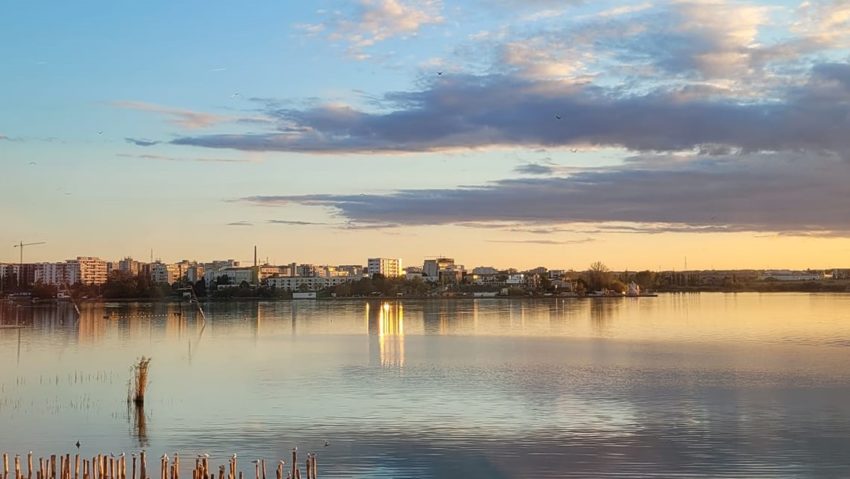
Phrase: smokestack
(255, 256)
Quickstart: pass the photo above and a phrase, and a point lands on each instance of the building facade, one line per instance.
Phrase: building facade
(389, 267)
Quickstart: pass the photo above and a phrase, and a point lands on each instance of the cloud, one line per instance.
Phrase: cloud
(296, 223)
(768, 192)
(544, 242)
(535, 169)
(184, 118)
(469, 111)
(240, 223)
(175, 159)
(141, 141)
(374, 21)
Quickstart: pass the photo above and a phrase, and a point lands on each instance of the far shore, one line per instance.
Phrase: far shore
(415, 298)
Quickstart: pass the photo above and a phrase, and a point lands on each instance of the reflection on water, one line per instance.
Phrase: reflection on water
(707, 385)
(386, 330)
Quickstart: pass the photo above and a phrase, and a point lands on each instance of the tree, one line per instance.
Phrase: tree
(598, 276)
(200, 288)
(44, 291)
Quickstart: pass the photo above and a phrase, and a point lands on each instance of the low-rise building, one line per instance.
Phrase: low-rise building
(232, 276)
(787, 275)
(310, 283)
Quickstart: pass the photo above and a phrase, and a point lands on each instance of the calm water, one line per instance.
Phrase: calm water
(710, 385)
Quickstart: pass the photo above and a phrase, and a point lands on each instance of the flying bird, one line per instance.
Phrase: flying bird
(327, 444)
(33, 163)
(557, 117)
(573, 150)
(235, 95)
(78, 444)
(100, 132)
(439, 73)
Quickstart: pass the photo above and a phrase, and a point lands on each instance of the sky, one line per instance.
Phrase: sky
(507, 133)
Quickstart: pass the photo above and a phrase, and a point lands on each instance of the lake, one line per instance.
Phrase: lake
(682, 385)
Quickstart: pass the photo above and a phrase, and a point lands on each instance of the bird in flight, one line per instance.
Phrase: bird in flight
(439, 74)
(78, 444)
(235, 95)
(100, 132)
(557, 117)
(573, 150)
(32, 163)
(327, 444)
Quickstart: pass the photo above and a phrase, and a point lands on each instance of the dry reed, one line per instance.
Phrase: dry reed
(139, 381)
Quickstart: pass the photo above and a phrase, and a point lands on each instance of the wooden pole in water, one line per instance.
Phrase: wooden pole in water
(5, 465)
(76, 466)
(143, 466)
(17, 466)
(29, 465)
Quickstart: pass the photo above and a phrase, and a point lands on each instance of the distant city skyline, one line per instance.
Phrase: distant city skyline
(503, 133)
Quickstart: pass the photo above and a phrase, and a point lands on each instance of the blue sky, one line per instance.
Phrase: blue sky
(501, 132)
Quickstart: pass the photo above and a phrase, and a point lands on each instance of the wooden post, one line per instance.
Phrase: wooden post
(52, 470)
(143, 466)
(29, 465)
(76, 466)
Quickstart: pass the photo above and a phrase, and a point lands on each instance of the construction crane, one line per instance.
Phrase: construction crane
(21, 267)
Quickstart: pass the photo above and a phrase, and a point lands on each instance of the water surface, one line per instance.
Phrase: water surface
(707, 385)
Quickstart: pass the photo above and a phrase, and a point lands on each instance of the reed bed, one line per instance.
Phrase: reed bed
(102, 466)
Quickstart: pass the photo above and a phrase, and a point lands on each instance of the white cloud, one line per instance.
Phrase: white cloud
(374, 21)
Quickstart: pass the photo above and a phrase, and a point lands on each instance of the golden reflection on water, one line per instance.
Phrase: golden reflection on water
(386, 325)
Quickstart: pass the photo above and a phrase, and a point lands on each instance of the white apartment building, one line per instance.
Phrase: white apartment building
(87, 270)
(130, 266)
(442, 270)
(55, 273)
(389, 267)
(313, 283)
(163, 273)
(235, 275)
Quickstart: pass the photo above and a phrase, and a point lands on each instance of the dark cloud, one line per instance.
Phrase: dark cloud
(770, 192)
(296, 223)
(468, 111)
(535, 169)
(240, 223)
(544, 242)
(141, 142)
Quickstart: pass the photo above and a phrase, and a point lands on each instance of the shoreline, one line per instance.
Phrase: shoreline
(398, 298)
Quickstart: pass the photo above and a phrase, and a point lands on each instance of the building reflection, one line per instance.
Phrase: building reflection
(386, 330)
